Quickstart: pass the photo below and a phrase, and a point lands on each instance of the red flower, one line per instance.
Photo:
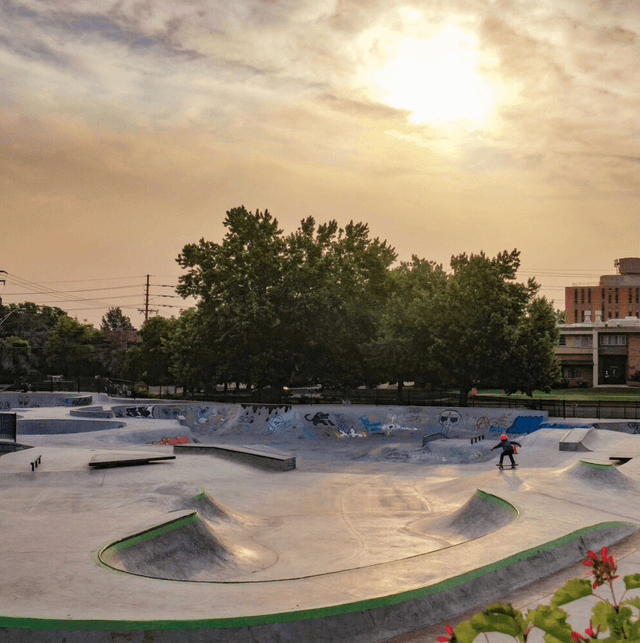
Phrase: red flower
(604, 567)
(447, 638)
(576, 636)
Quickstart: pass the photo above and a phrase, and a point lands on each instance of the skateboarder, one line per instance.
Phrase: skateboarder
(507, 449)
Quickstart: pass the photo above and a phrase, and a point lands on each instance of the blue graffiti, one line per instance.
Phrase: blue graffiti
(369, 425)
(526, 424)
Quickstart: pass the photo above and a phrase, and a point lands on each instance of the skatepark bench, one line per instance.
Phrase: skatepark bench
(248, 455)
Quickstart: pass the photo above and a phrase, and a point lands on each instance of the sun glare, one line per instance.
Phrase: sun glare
(437, 79)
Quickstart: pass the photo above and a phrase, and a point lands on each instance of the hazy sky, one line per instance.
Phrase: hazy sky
(129, 128)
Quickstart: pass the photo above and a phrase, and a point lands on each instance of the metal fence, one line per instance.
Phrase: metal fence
(8, 425)
(83, 385)
(622, 410)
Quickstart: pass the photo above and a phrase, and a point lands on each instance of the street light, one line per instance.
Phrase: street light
(15, 310)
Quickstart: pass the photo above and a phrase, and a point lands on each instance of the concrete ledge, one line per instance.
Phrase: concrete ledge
(248, 455)
(366, 621)
(92, 412)
(572, 440)
(9, 446)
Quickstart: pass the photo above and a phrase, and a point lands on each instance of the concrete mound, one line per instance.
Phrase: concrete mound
(186, 495)
(601, 475)
(187, 548)
(481, 515)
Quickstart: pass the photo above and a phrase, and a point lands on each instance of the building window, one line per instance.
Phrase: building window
(589, 295)
(613, 340)
(573, 372)
(582, 295)
(562, 341)
(616, 295)
(576, 316)
(575, 295)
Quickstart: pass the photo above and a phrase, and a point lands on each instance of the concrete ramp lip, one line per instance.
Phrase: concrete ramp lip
(599, 474)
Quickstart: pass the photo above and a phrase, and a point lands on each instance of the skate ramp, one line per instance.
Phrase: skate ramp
(215, 544)
(482, 514)
(599, 475)
(188, 548)
(612, 442)
(44, 426)
(14, 401)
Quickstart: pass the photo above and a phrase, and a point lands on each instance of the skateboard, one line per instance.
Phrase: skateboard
(500, 466)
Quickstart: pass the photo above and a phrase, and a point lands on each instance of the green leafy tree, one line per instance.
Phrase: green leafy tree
(115, 319)
(402, 348)
(34, 326)
(236, 283)
(192, 352)
(71, 349)
(475, 320)
(288, 309)
(16, 360)
(341, 281)
(533, 363)
(154, 357)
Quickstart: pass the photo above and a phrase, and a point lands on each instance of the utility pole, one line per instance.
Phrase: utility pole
(146, 302)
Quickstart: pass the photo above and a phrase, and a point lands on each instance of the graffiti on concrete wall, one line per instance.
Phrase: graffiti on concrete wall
(449, 420)
(145, 411)
(181, 439)
(351, 433)
(319, 419)
(204, 414)
(169, 412)
(281, 421)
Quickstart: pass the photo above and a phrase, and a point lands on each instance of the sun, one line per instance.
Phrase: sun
(437, 79)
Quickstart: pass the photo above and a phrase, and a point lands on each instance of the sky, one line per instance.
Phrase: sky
(128, 128)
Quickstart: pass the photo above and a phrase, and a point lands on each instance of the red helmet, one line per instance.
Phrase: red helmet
(504, 437)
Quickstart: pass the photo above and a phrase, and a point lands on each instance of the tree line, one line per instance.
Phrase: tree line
(323, 305)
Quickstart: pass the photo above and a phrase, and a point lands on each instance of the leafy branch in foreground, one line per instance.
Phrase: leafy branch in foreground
(612, 620)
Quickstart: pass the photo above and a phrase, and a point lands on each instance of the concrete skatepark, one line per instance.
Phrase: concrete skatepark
(390, 520)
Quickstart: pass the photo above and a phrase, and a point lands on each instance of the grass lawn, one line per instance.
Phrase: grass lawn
(605, 393)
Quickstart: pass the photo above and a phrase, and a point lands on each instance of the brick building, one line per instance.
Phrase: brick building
(616, 296)
(600, 341)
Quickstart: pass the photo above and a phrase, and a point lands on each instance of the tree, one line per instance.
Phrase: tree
(34, 326)
(192, 352)
(114, 319)
(236, 282)
(154, 355)
(16, 359)
(476, 319)
(533, 364)
(401, 350)
(341, 281)
(297, 308)
(71, 348)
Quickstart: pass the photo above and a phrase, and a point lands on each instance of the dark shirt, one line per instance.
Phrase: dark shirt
(507, 445)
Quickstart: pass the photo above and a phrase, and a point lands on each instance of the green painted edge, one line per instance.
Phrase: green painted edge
(333, 610)
(106, 552)
(595, 465)
(501, 502)
(202, 494)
